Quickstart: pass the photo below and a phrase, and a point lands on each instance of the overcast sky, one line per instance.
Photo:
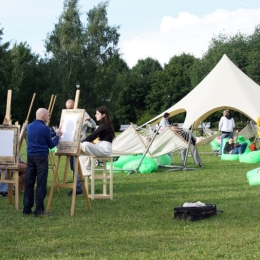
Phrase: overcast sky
(158, 29)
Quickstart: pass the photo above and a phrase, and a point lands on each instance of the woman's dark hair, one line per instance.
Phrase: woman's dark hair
(166, 114)
(106, 119)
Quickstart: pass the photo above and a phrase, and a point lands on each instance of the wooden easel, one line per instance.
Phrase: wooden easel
(77, 170)
(23, 130)
(10, 163)
(52, 163)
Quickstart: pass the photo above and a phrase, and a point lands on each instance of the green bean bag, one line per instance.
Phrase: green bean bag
(229, 157)
(252, 173)
(164, 160)
(255, 180)
(214, 145)
(148, 165)
(252, 157)
(115, 169)
(122, 160)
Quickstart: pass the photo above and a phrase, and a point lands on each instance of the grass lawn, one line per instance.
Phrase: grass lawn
(139, 224)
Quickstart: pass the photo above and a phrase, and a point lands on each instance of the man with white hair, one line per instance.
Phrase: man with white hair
(39, 141)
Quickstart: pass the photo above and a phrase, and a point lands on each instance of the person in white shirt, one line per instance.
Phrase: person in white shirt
(164, 121)
(226, 126)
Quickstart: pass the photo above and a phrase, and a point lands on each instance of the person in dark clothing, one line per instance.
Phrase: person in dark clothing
(103, 147)
(39, 141)
(234, 148)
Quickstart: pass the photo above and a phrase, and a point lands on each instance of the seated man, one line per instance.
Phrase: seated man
(234, 148)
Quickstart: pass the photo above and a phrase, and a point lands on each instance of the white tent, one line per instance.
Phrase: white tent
(226, 86)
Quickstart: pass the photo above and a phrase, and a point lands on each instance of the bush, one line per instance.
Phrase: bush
(145, 118)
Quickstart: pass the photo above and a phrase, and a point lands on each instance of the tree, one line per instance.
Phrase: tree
(5, 74)
(172, 84)
(135, 87)
(65, 45)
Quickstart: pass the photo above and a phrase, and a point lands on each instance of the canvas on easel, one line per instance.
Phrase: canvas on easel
(71, 125)
(9, 140)
(69, 145)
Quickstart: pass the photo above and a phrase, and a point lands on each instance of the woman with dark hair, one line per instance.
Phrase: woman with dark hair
(105, 135)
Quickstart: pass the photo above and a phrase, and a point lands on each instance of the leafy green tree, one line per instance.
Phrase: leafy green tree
(23, 80)
(135, 87)
(100, 53)
(5, 74)
(65, 45)
(172, 84)
(254, 55)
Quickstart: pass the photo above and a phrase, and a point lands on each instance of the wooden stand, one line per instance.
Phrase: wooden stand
(13, 178)
(64, 183)
(9, 162)
(105, 177)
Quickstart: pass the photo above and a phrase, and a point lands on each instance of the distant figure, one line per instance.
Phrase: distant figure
(185, 134)
(226, 126)
(164, 121)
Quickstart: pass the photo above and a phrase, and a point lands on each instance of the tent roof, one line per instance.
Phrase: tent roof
(226, 86)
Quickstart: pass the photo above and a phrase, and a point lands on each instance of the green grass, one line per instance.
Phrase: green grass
(138, 223)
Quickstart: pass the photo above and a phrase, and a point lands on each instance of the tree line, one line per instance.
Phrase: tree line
(89, 54)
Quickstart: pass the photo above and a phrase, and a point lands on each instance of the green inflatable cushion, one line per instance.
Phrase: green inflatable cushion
(163, 160)
(229, 157)
(255, 180)
(252, 173)
(148, 165)
(122, 160)
(253, 157)
(215, 145)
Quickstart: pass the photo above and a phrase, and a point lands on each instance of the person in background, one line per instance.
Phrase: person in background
(185, 134)
(39, 141)
(164, 121)
(234, 148)
(226, 126)
(103, 147)
(22, 172)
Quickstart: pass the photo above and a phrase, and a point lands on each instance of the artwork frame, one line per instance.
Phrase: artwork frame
(9, 139)
(71, 125)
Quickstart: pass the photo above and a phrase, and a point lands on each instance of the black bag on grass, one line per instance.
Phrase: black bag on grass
(195, 213)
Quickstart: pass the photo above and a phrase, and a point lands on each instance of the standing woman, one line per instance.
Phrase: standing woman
(105, 134)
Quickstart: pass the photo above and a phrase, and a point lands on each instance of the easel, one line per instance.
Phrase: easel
(52, 163)
(23, 130)
(10, 162)
(61, 151)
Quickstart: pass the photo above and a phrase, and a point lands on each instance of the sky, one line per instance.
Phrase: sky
(158, 29)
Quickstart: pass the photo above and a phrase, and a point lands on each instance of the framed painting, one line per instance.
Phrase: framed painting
(71, 124)
(9, 146)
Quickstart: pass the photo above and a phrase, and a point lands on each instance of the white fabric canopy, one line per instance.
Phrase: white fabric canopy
(166, 142)
(226, 86)
(131, 141)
